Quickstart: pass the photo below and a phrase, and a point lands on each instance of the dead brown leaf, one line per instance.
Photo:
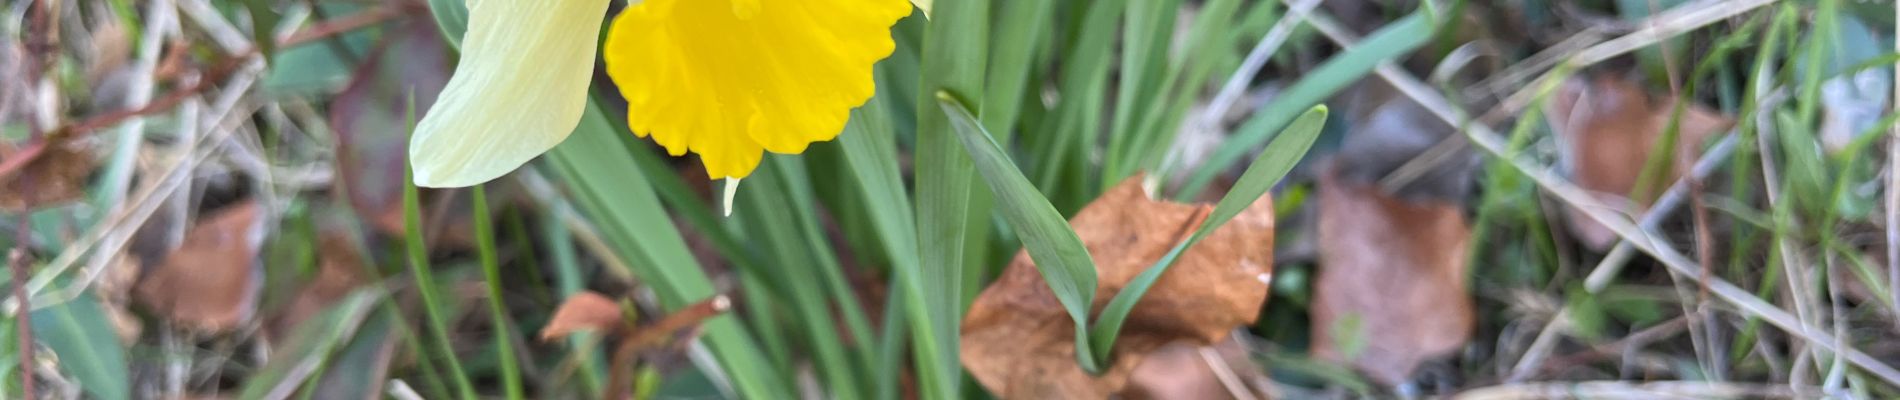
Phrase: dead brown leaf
(209, 283)
(1609, 127)
(57, 176)
(1390, 291)
(585, 311)
(1019, 343)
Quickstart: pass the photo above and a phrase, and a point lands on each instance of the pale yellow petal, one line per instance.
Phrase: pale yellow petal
(729, 79)
(923, 5)
(519, 90)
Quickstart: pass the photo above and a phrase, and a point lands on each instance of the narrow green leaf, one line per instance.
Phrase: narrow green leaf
(311, 345)
(359, 367)
(1272, 165)
(775, 229)
(77, 331)
(1062, 145)
(418, 257)
(263, 28)
(595, 164)
(870, 155)
(1391, 41)
(1057, 251)
(1210, 49)
(491, 270)
(1147, 38)
(950, 215)
(795, 176)
(1019, 26)
(568, 281)
(452, 17)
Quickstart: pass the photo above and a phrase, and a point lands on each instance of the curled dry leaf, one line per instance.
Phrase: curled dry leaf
(585, 311)
(1609, 127)
(210, 283)
(56, 176)
(1390, 290)
(1019, 343)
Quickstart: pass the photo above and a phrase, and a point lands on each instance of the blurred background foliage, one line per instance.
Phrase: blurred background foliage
(1045, 199)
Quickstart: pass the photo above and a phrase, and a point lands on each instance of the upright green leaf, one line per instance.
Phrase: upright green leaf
(1147, 38)
(497, 308)
(1019, 26)
(77, 331)
(1273, 164)
(870, 154)
(1057, 251)
(950, 215)
(1063, 142)
(1393, 40)
(602, 178)
(767, 222)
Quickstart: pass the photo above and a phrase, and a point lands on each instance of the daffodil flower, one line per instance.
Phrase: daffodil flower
(724, 79)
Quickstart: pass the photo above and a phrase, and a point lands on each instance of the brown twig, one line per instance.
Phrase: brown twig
(43, 42)
(620, 371)
(16, 260)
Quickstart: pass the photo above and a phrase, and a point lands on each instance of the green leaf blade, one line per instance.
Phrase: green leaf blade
(1267, 170)
(1059, 254)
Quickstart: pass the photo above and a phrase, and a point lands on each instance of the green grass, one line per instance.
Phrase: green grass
(852, 265)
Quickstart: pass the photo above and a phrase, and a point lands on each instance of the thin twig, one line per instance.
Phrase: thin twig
(1613, 264)
(1676, 21)
(1256, 58)
(118, 172)
(659, 333)
(42, 43)
(1628, 345)
(16, 260)
(1629, 390)
(1225, 373)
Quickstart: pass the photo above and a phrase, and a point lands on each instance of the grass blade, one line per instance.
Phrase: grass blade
(418, 254)
(950, 217)
(1058, 252)
(491, 269)
(1019, 26)
(1393, 40)
(776, 230)
(593, 162)
(1273, 164)
(870, 156)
